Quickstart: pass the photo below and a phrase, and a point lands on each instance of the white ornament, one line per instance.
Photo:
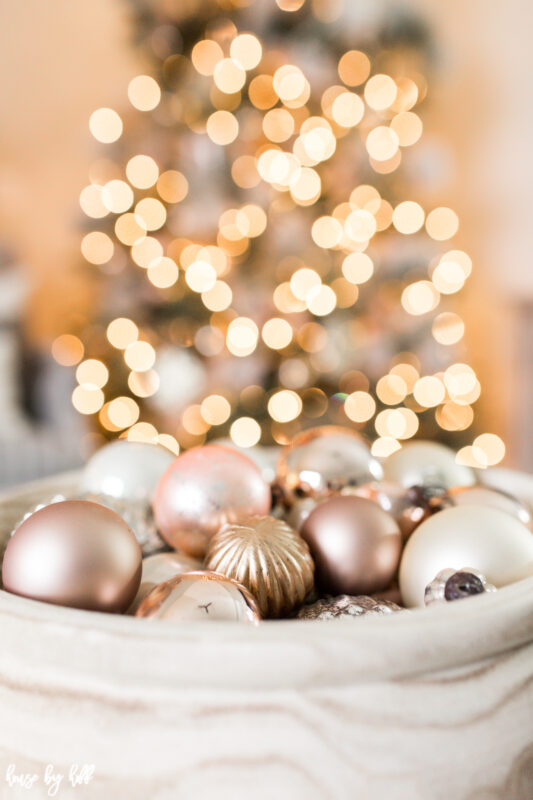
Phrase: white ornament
(487, 539)
(129, 470)
(427, 464)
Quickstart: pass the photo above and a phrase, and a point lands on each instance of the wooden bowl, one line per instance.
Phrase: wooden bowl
(431, 704)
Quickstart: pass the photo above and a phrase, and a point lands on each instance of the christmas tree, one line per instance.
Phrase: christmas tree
(258, 232)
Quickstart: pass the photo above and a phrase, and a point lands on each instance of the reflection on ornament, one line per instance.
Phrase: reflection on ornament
(427, 464)
(74, 553)
(354, 543)
(452, 584)
(499, 545)
(269, 558)
(200, 597)
(202, 490)
(325, 459)
(127, 470)
(346, 606)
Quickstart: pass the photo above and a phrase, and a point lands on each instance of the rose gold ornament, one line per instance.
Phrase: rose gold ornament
(269, 558)
(325, 459)
(491, 498)
(202, 490)
(355, 545)
(202, 597)
(75, 553)
(396, 500)
(159, 568)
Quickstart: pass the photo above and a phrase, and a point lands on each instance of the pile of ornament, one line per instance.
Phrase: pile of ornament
(320, 530)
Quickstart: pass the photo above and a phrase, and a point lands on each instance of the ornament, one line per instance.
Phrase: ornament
(127, 470)
(266, 458)
(74, 553)
(499, 545)
(138, 515)
(491, 498)
(269, 558)
(354, 543)
(299, 511)
(160, 568)
(202, 490)
(408, 506)
(451, 584)
(325, 459)
(427, 464)
(346, 606)
(56, 498)
(200, 597)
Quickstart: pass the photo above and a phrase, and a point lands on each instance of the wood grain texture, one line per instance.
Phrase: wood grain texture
(424, 705)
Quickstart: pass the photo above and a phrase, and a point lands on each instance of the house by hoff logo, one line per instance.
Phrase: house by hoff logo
(51, 779)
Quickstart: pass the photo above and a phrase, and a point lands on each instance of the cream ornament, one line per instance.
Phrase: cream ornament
(487, 539)
(126, 470)
(427, 464)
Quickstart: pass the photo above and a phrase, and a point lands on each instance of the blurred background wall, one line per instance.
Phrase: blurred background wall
(61, 59)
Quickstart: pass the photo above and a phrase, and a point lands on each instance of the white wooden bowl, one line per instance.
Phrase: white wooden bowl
(432, 704)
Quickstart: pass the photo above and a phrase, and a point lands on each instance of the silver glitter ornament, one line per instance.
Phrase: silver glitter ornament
(452, 584)
(138, 515)
(346, 606)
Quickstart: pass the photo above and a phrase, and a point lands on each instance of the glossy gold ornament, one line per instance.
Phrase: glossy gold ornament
(355, 545)
(200, 597)
(74, 553)
(325, 459)
(269, 558)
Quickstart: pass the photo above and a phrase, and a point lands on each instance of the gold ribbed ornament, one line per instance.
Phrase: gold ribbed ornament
(267, 557)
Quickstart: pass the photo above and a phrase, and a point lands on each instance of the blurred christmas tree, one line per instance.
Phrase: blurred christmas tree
(258, 226)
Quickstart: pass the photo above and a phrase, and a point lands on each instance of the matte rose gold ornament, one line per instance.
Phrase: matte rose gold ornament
(403, 504)
(159, 568)
(355, 545)
(325, 459)
(269, 558)
(200, 597)
(202, 490)
(74, 553)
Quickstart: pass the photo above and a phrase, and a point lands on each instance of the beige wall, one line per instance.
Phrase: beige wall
(59, 59)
